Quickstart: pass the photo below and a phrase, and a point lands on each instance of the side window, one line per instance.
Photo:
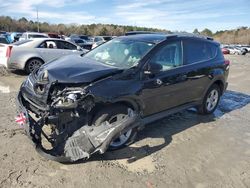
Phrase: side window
(48, 44)
(169, 56)
(65, 45)
(198, 51)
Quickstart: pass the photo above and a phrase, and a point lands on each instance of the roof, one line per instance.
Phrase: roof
(152, 38)
(157, 38)
(35, 33)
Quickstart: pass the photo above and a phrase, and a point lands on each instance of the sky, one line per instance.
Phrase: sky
(174, 15)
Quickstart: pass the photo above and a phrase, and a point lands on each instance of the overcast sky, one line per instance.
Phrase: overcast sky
(181, 15)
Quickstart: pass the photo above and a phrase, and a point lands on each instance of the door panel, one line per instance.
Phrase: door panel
(48, 50)
(165, 91)
(49, 54)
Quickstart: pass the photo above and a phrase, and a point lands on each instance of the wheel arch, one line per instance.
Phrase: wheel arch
(126, 102)
(26, 63)
(34, 57)
(221, 85)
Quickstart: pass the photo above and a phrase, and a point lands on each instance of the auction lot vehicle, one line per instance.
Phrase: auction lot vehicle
(79, 105)
(236, 50)
(225, 51)
(32, 35)
(29, 55)
(4, 54)
(3, 40)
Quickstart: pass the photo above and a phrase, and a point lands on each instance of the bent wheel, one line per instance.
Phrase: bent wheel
(114, 114)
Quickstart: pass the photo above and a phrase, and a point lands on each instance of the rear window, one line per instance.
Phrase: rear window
(37, 36)
(198, 51)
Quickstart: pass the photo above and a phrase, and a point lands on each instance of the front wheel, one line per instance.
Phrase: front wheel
(32, 65)
(113, 114)
(210, 101)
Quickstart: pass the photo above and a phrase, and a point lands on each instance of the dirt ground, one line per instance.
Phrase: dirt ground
(183, 150)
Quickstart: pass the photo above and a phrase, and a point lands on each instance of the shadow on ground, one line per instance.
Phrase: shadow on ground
(175, 124)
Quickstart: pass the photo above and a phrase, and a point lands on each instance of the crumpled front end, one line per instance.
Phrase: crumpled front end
(61, 129)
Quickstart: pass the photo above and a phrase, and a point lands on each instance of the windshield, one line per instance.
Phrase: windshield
(120, 53)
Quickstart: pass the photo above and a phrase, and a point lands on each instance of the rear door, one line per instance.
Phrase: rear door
(198, 60)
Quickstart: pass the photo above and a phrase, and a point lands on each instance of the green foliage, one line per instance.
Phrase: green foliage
(196, 31)
(207, 32)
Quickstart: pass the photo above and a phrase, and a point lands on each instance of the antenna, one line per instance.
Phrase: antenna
(37, 20)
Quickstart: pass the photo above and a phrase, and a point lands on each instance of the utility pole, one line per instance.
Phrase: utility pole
(37, 20)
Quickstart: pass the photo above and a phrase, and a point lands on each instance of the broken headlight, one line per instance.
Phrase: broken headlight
(74, 99)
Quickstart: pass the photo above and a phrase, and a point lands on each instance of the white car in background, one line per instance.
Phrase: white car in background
(32, 35)
(29, 55)
(4, 54)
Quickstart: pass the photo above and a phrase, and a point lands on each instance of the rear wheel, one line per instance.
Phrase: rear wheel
(33, 64)
(115, 114)
(210, 101)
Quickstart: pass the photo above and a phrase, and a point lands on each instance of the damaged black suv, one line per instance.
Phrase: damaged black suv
(79, 105)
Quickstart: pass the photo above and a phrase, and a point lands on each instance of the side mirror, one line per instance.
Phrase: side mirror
(153, 68)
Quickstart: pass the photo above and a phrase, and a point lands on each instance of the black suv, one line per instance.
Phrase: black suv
(78, 105)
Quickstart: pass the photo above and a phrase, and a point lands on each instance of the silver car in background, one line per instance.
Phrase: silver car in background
(29, 55)
(32, 35)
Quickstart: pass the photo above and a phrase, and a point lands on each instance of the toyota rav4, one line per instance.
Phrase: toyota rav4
(79, 105)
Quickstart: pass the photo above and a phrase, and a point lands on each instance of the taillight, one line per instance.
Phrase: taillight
(8, 52)
(226, 62)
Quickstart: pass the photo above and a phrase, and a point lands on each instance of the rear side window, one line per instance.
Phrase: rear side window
(198, 51)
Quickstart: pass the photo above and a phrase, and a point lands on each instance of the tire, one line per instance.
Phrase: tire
(33, 64)
(210, 101)
(111, 114)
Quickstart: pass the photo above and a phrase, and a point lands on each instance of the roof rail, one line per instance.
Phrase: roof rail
(195, 35)
(142, 32)
(171, 36)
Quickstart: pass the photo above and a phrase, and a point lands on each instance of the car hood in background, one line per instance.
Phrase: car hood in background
(76, 69)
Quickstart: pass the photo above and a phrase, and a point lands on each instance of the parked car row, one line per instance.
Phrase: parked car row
(85, 41)
(235, 49)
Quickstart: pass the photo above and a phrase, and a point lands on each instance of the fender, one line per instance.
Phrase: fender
(216, 76)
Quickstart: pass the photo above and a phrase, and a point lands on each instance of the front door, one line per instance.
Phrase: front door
(169, 87)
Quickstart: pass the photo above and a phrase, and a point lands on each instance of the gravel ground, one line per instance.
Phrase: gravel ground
(182, 150)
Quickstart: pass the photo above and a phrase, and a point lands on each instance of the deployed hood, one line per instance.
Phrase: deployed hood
(76, 69)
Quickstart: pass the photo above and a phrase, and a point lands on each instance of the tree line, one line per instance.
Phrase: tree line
(22, 25)
(240, 35)
(237, 36)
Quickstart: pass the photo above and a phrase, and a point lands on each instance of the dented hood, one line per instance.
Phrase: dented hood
(76, 69)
